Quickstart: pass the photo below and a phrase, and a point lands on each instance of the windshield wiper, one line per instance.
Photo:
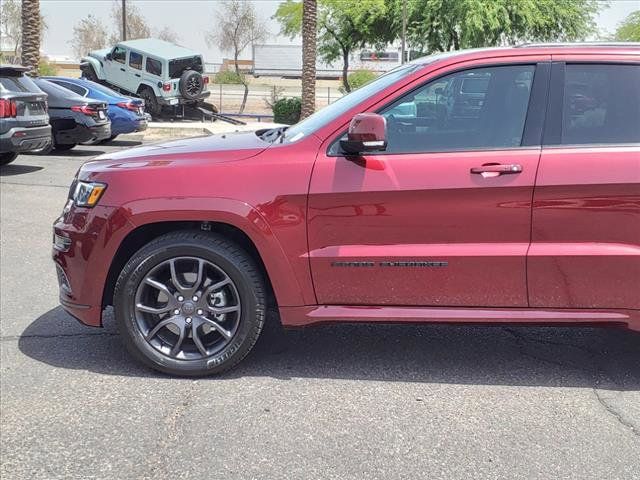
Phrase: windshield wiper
(274, 134)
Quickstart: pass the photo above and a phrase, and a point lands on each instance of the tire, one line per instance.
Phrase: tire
(7, 157)
(63, 147)
(191, 84)
(156, 345)
(151, 104)
(90, 74)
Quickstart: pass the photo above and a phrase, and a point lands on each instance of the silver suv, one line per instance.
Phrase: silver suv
(162, 73)
(24, 121)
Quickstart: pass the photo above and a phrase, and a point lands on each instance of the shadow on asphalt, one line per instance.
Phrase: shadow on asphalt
(74, 152)
(11, 169)
(608, 358)
(123, 143)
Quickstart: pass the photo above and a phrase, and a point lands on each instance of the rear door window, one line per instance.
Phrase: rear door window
(601, 104)
(135, 60)
(153, 66)
(74, 88)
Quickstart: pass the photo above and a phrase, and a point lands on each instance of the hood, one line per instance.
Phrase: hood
(99, 54)
(215, 148)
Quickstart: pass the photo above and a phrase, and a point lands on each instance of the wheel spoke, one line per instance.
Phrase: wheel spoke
(155, 311)
(223, 331)
(196, 339)
(159, 326)
(160, 286)
(216, 286)
(174, 276)
(176, 348)
(221, 310)
(194, 288)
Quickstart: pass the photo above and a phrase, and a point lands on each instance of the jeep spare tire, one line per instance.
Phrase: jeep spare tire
(191, 84)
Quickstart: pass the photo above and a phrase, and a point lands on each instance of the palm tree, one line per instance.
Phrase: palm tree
(31, 34)
(309, 10)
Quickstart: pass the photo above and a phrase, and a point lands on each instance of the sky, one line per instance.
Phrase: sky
(192, 19)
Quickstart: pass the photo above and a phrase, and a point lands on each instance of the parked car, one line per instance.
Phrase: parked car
(526, 212)
(24, 122)
(126, 113)
(162, 73)
(74, 119)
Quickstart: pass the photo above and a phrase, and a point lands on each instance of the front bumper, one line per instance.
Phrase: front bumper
(85, 242)
(22, 139)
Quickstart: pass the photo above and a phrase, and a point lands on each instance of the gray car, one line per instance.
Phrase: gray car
(24, 121)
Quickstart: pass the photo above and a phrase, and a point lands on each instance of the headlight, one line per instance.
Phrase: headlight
(87, 194)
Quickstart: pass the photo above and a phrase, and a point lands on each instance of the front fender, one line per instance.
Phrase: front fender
(95, 64)
(291, 284)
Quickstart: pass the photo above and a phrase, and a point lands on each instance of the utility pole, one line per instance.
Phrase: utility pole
(124, 20)
(404, 30)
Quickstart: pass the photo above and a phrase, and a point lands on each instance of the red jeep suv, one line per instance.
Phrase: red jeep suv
(494, 186)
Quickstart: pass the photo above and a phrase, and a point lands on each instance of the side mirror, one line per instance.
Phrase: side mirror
(367, 133)
(108, 56)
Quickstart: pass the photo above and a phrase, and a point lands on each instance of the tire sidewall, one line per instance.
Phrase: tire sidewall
(251, 318)
(183, 84)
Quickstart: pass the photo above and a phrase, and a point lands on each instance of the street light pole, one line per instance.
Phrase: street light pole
(124, 20)
(404, 30)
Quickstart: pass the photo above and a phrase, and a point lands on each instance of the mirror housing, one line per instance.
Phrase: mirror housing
(108, 56)
(367, 133)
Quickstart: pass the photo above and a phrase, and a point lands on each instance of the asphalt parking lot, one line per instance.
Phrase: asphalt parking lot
(339, 402)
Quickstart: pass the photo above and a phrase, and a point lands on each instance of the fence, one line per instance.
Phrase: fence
(228, 98)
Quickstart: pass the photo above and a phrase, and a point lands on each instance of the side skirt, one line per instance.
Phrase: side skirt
(319, 314)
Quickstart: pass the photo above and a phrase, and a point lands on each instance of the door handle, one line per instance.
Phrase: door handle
(122, 69)
(489, 170)
(137, 75)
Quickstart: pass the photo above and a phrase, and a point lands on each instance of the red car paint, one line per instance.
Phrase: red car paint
(390, 237)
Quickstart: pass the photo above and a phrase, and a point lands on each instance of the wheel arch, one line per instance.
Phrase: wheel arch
(95, 64)
(144, 84)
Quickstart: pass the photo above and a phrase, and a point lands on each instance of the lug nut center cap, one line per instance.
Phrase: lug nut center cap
(188, 308)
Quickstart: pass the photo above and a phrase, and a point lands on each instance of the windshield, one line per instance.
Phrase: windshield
(337, 108)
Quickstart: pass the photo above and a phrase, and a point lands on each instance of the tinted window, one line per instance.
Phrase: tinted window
(119, 54)
(74, 88)
(18, 84)
(347, 102)
(473, 109)
(135, 60)
(177, 67)
(601, 104)
(154, 67)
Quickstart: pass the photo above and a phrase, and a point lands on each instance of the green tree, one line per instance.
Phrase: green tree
(343, 26)
(443, 25)
(629, 28)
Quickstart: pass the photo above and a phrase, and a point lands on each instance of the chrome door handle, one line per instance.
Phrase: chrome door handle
(495, 169)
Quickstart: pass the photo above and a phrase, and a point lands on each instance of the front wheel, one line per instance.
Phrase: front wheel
(190, 304)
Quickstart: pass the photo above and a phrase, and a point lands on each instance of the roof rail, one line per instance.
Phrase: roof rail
(578, 44)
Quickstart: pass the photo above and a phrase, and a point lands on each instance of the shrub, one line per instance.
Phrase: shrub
(229, 77)
(359, 78)
(46, 69)
(287, 110)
